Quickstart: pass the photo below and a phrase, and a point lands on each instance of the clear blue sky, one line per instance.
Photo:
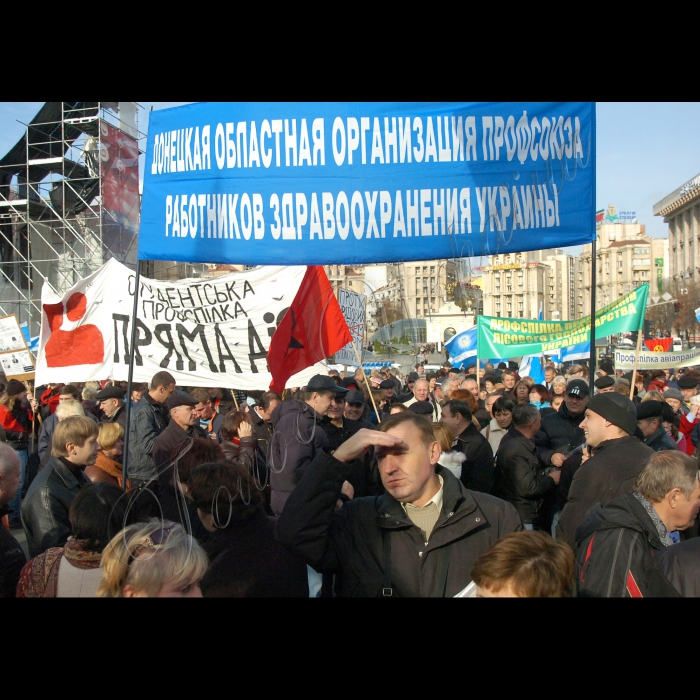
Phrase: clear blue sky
(645, 150)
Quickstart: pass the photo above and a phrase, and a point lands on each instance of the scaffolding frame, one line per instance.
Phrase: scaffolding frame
(53, 223)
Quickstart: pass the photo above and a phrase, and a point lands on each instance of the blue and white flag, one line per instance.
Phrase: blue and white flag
(697, 314)
(580, 351)
(532, 366)
(462, 346)
(540, 316)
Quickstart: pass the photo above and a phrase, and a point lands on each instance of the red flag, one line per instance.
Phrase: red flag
(659, 344)
(312, 329)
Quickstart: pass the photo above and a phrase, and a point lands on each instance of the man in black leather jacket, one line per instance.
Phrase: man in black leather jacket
(45, 507)
(561, 433)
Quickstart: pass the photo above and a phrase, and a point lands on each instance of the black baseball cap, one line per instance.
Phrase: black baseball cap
(354, 396)
(321, 382)
(412, 377)
(577, 387)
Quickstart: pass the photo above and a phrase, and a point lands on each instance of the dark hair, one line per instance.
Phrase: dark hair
(525, 413)
(164, 379)
(224, 489)
(458, 406)
(440, 373)
(425, 427)
(542, 390)
(70, 389)
(503, 404)
(97, 514)
(202, 450)
(229, 427)
(267, 398)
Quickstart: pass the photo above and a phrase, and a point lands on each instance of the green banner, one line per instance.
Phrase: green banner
(509, 337)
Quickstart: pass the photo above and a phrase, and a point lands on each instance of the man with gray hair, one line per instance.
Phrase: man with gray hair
(12, 557)
(619, 541)
(520, 478)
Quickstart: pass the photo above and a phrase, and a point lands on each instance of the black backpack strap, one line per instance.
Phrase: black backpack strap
(387, 591)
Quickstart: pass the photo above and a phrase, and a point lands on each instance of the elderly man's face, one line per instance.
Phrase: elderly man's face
(408, 469)
(110, 406)
(689, 393)
(648, 426)
(687, 509)
(469, 385)
(421, 390)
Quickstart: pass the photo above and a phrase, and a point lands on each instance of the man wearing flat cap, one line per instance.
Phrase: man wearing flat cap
(688, 387)
(604, 385)
(182, 426)
(388, 397)
(609, 427)
(650, 419)
(111, 401)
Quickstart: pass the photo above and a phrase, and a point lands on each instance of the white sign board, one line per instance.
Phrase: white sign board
(353, 306)
(624, 359)
(212, 332)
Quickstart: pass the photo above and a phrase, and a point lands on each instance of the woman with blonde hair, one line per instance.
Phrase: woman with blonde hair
(449, 458)
(153, 560)
(106, 467)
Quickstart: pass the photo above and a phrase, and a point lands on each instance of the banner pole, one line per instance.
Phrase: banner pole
(636, 360)
(367, 384)
(592, 360)
(235, 400)
(132, 348)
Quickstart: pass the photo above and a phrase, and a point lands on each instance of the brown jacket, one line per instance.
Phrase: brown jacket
(107, 470)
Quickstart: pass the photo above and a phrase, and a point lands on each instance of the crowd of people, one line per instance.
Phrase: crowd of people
(451, 483)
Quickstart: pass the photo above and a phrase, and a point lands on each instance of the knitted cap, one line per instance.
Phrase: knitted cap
(15, 387)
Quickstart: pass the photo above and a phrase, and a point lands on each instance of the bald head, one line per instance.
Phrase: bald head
(8, 458)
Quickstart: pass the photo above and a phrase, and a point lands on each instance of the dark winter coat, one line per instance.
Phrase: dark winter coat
(353, 540)
(298, 438)
(681, 566)
(45, 507)
(365, 475)
(609, 473)
(660, 440)
(619, 546)
(147, 421)
(245, 561)
(119, 416)
(477, 468)
(560, 432)
(170, 439)
(520, 478)
(12, 559)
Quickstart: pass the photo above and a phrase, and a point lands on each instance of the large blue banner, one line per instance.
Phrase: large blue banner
(300, 183)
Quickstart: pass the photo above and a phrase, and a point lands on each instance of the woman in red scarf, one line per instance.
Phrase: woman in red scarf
(96, 514)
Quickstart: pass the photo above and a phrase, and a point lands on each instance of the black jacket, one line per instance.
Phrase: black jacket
(147, 421)
(520, 478)
(12, 559)
(477, 468)
(352, 539)
(681, 566)
(618, 544)
(170, 439)
(245, 561)
(659, 440)
(560, 432)
(45, 507)
(298, 438)
(610, 473)
(119, 416)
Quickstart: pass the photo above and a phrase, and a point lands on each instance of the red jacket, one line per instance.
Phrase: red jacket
(13, 421)
(47, 399)
(686, 427)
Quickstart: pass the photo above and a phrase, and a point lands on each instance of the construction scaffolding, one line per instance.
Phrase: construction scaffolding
(69, 201)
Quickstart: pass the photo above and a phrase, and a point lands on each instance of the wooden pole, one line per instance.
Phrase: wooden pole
(367, 384)
(233, 393)
(636, 360)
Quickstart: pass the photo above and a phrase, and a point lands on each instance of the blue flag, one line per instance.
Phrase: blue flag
(462, 346)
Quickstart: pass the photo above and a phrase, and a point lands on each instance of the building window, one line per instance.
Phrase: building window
(425, 270)
(641, 251)
(432, 270)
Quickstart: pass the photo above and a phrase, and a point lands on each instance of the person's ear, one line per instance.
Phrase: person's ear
(130, 592)
(673, 498)
(435, 452)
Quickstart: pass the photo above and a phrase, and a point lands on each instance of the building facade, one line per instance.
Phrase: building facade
(518, 285)
(626, 257)
(681, 211)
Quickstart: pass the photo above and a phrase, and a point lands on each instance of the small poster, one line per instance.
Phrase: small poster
(15, 358)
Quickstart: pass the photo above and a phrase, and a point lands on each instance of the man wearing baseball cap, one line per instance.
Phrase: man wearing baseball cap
(609, 427)
(298, 437)
(561, 432)
(355, 405)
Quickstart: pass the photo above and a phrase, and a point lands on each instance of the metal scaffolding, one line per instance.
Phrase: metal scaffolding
(69, 201)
